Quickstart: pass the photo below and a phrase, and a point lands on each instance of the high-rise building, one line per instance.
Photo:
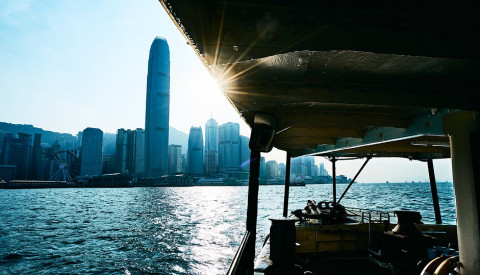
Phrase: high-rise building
(17, 151)
(211, 146)
(244, 153)
(36, 163)
(229, 146)
(271, 168)
(174, 159)
(91, 156)
(262, 168)
(123, 151)
(129, 153)
(323, 171)
(138, 152)
(303, 166)
(195, 151)
(281, 170)
(157, 109)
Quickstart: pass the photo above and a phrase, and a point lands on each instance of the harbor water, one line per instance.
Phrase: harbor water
(165, 230)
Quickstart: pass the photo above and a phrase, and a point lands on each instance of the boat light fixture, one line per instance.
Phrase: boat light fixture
(263, 132)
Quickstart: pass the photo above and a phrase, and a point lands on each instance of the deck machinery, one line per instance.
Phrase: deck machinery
(346, 79)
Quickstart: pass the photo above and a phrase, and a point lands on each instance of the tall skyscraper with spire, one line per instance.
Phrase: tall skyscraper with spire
(157, 109)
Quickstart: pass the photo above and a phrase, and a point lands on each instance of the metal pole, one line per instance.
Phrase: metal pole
(287, 185)
(433, 187)
(354, 178)
(252, 208)
(334, 180)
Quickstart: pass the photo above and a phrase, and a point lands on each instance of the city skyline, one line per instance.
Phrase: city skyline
(87, 67)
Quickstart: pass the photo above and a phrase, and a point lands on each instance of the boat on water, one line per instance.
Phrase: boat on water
(297, 183)
(350, 80)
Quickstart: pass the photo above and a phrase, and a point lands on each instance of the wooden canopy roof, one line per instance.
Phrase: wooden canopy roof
(342, 78)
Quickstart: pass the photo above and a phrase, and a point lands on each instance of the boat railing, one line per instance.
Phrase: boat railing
(369, 216)
(243, 262)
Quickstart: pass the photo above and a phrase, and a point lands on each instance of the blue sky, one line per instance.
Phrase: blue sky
(68, 65)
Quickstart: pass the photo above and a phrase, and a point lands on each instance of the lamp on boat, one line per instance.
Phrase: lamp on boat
(263, 132)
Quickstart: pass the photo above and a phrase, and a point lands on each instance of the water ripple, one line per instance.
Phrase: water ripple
(191, 230)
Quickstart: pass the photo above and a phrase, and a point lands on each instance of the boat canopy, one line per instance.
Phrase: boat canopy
(342, 78)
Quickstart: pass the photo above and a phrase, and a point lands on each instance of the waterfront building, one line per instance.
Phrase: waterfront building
(229, 147)
(211, 146)
(174, 159)
(7, 172)
(271, 169)
(157, 109)
(281, 170)
(262, 168)
(91, 156)
(108, 164)
(123, 151)
(35, 164)
(2, 135)
(302, 167)
(244, 153)
(323, 172)
(138, 152)
(195, 151)
(17, 151)
(130, 151)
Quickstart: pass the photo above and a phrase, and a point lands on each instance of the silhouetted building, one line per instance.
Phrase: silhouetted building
(323, 171)
(244, 153)
(138, 152)
(263, 169)
(91, 156)
(174, 159)
(108, 164)
(124, 151)
(302, 167)
(195, 151)
(211, 146)
(7, 172)
(157, 109)
(281, 170)
(17, 151)
(229, 146)
(36, 163)
(271, 169)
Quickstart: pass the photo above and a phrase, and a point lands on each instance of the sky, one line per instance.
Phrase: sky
(69, 65)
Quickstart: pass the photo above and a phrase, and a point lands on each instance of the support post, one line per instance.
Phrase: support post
(354, 178)
(334, 180)
(287, 185)
(252, 207)
(433, 187)
(464, 131)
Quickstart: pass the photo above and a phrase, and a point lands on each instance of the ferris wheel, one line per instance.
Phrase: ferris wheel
(64, 166)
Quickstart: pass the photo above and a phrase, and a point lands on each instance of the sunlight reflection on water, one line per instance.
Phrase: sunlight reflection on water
(191, 230)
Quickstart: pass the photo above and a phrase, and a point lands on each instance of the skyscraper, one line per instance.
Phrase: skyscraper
(271, 168)
(139, 151)
(129, 152)
(91, 157)
(17, 151)
(174, 159)
(244, 153)
(211, 146)
(195, 151)
(157, 109)
(229, 146)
